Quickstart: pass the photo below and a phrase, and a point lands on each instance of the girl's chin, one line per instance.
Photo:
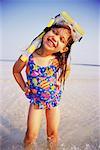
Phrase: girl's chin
(50, 48)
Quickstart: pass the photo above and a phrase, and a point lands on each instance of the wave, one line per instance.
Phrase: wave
(96, 65)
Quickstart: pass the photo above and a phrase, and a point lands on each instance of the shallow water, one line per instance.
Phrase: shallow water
(19, 146)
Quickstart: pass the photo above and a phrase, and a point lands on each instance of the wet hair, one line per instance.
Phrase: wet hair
(62, 57)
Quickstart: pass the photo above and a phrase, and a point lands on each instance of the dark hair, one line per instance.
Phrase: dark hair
(62, 57)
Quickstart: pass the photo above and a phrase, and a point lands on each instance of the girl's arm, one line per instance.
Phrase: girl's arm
(66, 76)
(17, 68)
(67, 72)
(55, 63)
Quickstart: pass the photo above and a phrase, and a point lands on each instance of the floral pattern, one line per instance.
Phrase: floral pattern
(46, 98)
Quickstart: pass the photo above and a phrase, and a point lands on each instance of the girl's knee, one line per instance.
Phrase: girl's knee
(30, 137)
(53, 131)
(53, 136)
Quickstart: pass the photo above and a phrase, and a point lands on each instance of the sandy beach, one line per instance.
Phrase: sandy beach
(80, 111)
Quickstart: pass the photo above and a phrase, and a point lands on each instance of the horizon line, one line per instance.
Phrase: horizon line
(81, 64)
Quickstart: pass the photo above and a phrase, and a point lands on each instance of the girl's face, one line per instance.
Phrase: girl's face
(56, 40)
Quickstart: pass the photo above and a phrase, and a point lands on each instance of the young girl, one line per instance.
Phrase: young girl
(46, 71)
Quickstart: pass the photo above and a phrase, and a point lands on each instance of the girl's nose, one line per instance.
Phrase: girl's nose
(55, 40)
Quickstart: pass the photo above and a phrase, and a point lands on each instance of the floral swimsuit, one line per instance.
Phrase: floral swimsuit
(45, 98)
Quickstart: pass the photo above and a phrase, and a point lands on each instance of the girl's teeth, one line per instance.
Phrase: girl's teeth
(50, 42)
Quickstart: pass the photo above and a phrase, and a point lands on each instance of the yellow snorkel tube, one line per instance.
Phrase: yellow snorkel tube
(62, 19)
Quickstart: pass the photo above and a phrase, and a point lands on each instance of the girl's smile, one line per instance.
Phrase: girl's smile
(51, 42)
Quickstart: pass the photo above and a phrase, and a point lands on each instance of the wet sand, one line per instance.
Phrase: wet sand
(80, 111)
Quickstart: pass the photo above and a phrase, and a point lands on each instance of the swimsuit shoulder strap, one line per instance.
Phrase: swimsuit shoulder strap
(31, 57)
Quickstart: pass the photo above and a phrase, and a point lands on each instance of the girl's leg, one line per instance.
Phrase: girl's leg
(53, 119)
(33, 125)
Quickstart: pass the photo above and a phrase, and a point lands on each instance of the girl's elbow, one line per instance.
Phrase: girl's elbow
(14, 70)
(18, 67)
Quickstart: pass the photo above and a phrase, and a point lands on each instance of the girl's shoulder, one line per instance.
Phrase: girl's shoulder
(31, 56)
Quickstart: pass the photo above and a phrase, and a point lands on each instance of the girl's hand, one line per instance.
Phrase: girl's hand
(26, 89)
(58, 84)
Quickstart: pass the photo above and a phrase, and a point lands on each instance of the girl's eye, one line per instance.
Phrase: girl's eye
(62, 40)
(55, 32)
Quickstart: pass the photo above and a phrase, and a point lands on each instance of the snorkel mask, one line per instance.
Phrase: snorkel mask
(62, 19)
